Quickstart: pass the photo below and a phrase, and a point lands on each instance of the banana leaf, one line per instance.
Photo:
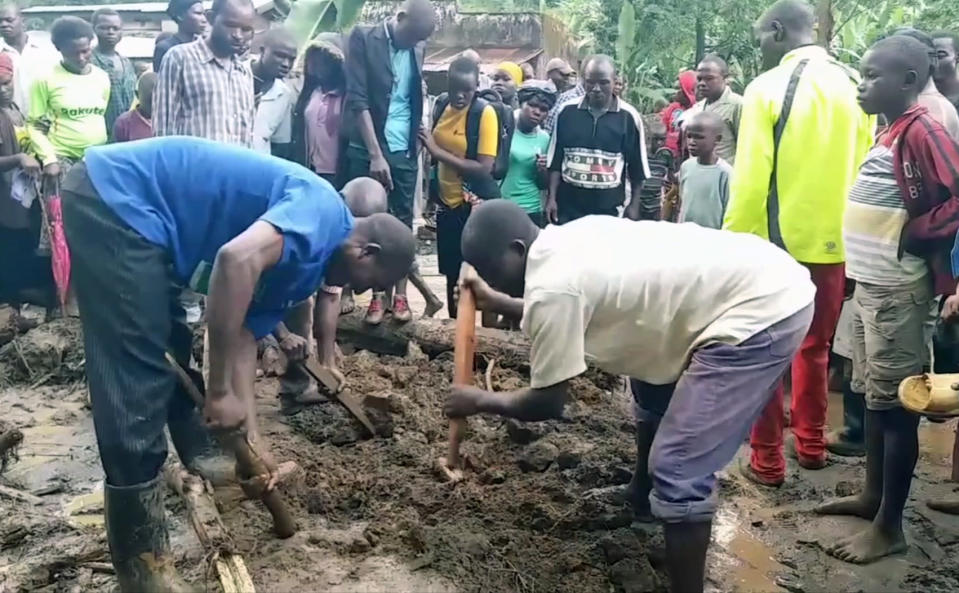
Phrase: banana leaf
(307, 18)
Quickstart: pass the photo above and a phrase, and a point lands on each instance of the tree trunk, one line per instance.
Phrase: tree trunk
(700, 39)
(826, 22)
(433, 336)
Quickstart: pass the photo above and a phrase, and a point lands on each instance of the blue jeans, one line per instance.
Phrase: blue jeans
(706, 418)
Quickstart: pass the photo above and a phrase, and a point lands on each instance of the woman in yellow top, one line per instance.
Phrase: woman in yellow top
(464, 165)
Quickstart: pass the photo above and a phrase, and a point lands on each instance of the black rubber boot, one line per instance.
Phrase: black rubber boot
(850, 441)
(139, 543)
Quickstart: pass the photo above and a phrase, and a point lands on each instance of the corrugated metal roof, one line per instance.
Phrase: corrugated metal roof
(145, 7)
(135, 48)
(438, 60)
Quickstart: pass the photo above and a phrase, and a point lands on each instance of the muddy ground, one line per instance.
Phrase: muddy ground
(539, 513)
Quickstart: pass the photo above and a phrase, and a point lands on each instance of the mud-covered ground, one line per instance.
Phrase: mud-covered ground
(538, 514)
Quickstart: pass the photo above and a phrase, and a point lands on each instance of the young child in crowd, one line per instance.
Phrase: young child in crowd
(136, 124)
(704, 178)
(660, 170)
(897, 230)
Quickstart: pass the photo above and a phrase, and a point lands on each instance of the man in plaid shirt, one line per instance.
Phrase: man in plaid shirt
(203, 88)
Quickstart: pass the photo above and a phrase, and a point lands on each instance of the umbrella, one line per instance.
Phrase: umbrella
(59, 251)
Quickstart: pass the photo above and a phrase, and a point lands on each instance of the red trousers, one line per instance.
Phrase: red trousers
(809, 384)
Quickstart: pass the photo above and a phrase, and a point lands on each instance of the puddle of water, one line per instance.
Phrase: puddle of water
(751, 567)
(936, 442)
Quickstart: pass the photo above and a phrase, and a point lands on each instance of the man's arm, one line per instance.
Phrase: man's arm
(554, 161)
(926, 233)
(36, 130)
(556, 326)
(358, 106)
(528, 405)
(326, 316)
(754, 164)
(166, 96)
(281, 130)
(486, 151)
(236, 270)
(489, 300)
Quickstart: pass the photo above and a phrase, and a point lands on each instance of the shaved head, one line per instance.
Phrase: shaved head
(378, 253)
(903, 54)
(600, 61)
(707, 120)
(794, 15)
(785, 26)
(364, 197)
(414, 22)
(496, 240)
(717, 61)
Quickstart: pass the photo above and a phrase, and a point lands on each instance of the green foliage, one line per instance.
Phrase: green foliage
(309, 17)
(654, 40)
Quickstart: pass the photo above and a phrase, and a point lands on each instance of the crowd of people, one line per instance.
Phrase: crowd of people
(822, 207)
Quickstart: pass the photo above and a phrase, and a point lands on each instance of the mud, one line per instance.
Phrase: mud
(541, 511)
(524, 520)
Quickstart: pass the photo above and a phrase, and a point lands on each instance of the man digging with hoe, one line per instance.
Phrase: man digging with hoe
(717, 322)
(257, 235)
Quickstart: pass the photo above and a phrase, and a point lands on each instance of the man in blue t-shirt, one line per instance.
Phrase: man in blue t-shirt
(254, 233)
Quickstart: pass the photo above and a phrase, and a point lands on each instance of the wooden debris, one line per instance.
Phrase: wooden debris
(198, 498)
(20, 495)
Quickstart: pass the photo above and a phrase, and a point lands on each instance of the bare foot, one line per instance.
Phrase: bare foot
(347, 304)
(869, 546)
(432, 307)
(857, 506)
(947, 506)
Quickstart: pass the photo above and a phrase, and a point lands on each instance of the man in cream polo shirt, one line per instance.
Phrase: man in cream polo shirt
(710, 328)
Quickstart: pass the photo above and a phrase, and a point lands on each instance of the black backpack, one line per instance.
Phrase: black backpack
(505, 117)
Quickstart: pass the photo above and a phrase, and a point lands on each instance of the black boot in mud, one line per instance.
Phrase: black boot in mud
(637, 493)
(139, 543)
(199, 452)
(686, 545)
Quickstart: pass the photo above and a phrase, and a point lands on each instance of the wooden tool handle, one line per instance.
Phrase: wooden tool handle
(249, 463)
(464, 346)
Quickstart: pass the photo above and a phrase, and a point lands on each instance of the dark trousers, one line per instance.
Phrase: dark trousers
(570, 210)
(25, 277)
(402, 170)
(130, 317)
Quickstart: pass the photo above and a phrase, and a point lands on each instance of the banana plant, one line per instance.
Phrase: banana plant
(307, 18)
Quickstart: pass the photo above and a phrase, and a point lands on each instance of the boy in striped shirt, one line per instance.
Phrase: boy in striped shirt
(900, 221)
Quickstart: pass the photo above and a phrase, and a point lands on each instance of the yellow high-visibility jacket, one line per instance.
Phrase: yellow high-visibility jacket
(824, 141)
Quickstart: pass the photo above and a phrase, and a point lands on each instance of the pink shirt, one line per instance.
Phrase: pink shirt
(322, 116)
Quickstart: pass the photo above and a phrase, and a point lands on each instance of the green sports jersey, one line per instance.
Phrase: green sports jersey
(75, 105)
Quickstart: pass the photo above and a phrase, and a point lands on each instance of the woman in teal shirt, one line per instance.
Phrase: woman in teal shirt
(526, 179)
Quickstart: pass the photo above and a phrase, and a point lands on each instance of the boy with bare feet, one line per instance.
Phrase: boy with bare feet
(900, 221)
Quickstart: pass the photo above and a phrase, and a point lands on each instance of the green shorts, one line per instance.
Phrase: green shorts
(888, 343)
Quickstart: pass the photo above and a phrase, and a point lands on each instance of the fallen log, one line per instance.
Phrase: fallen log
(20, 495)
(205, 519)
(433, 336)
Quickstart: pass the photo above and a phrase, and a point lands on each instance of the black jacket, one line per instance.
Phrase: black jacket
(369, 82)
